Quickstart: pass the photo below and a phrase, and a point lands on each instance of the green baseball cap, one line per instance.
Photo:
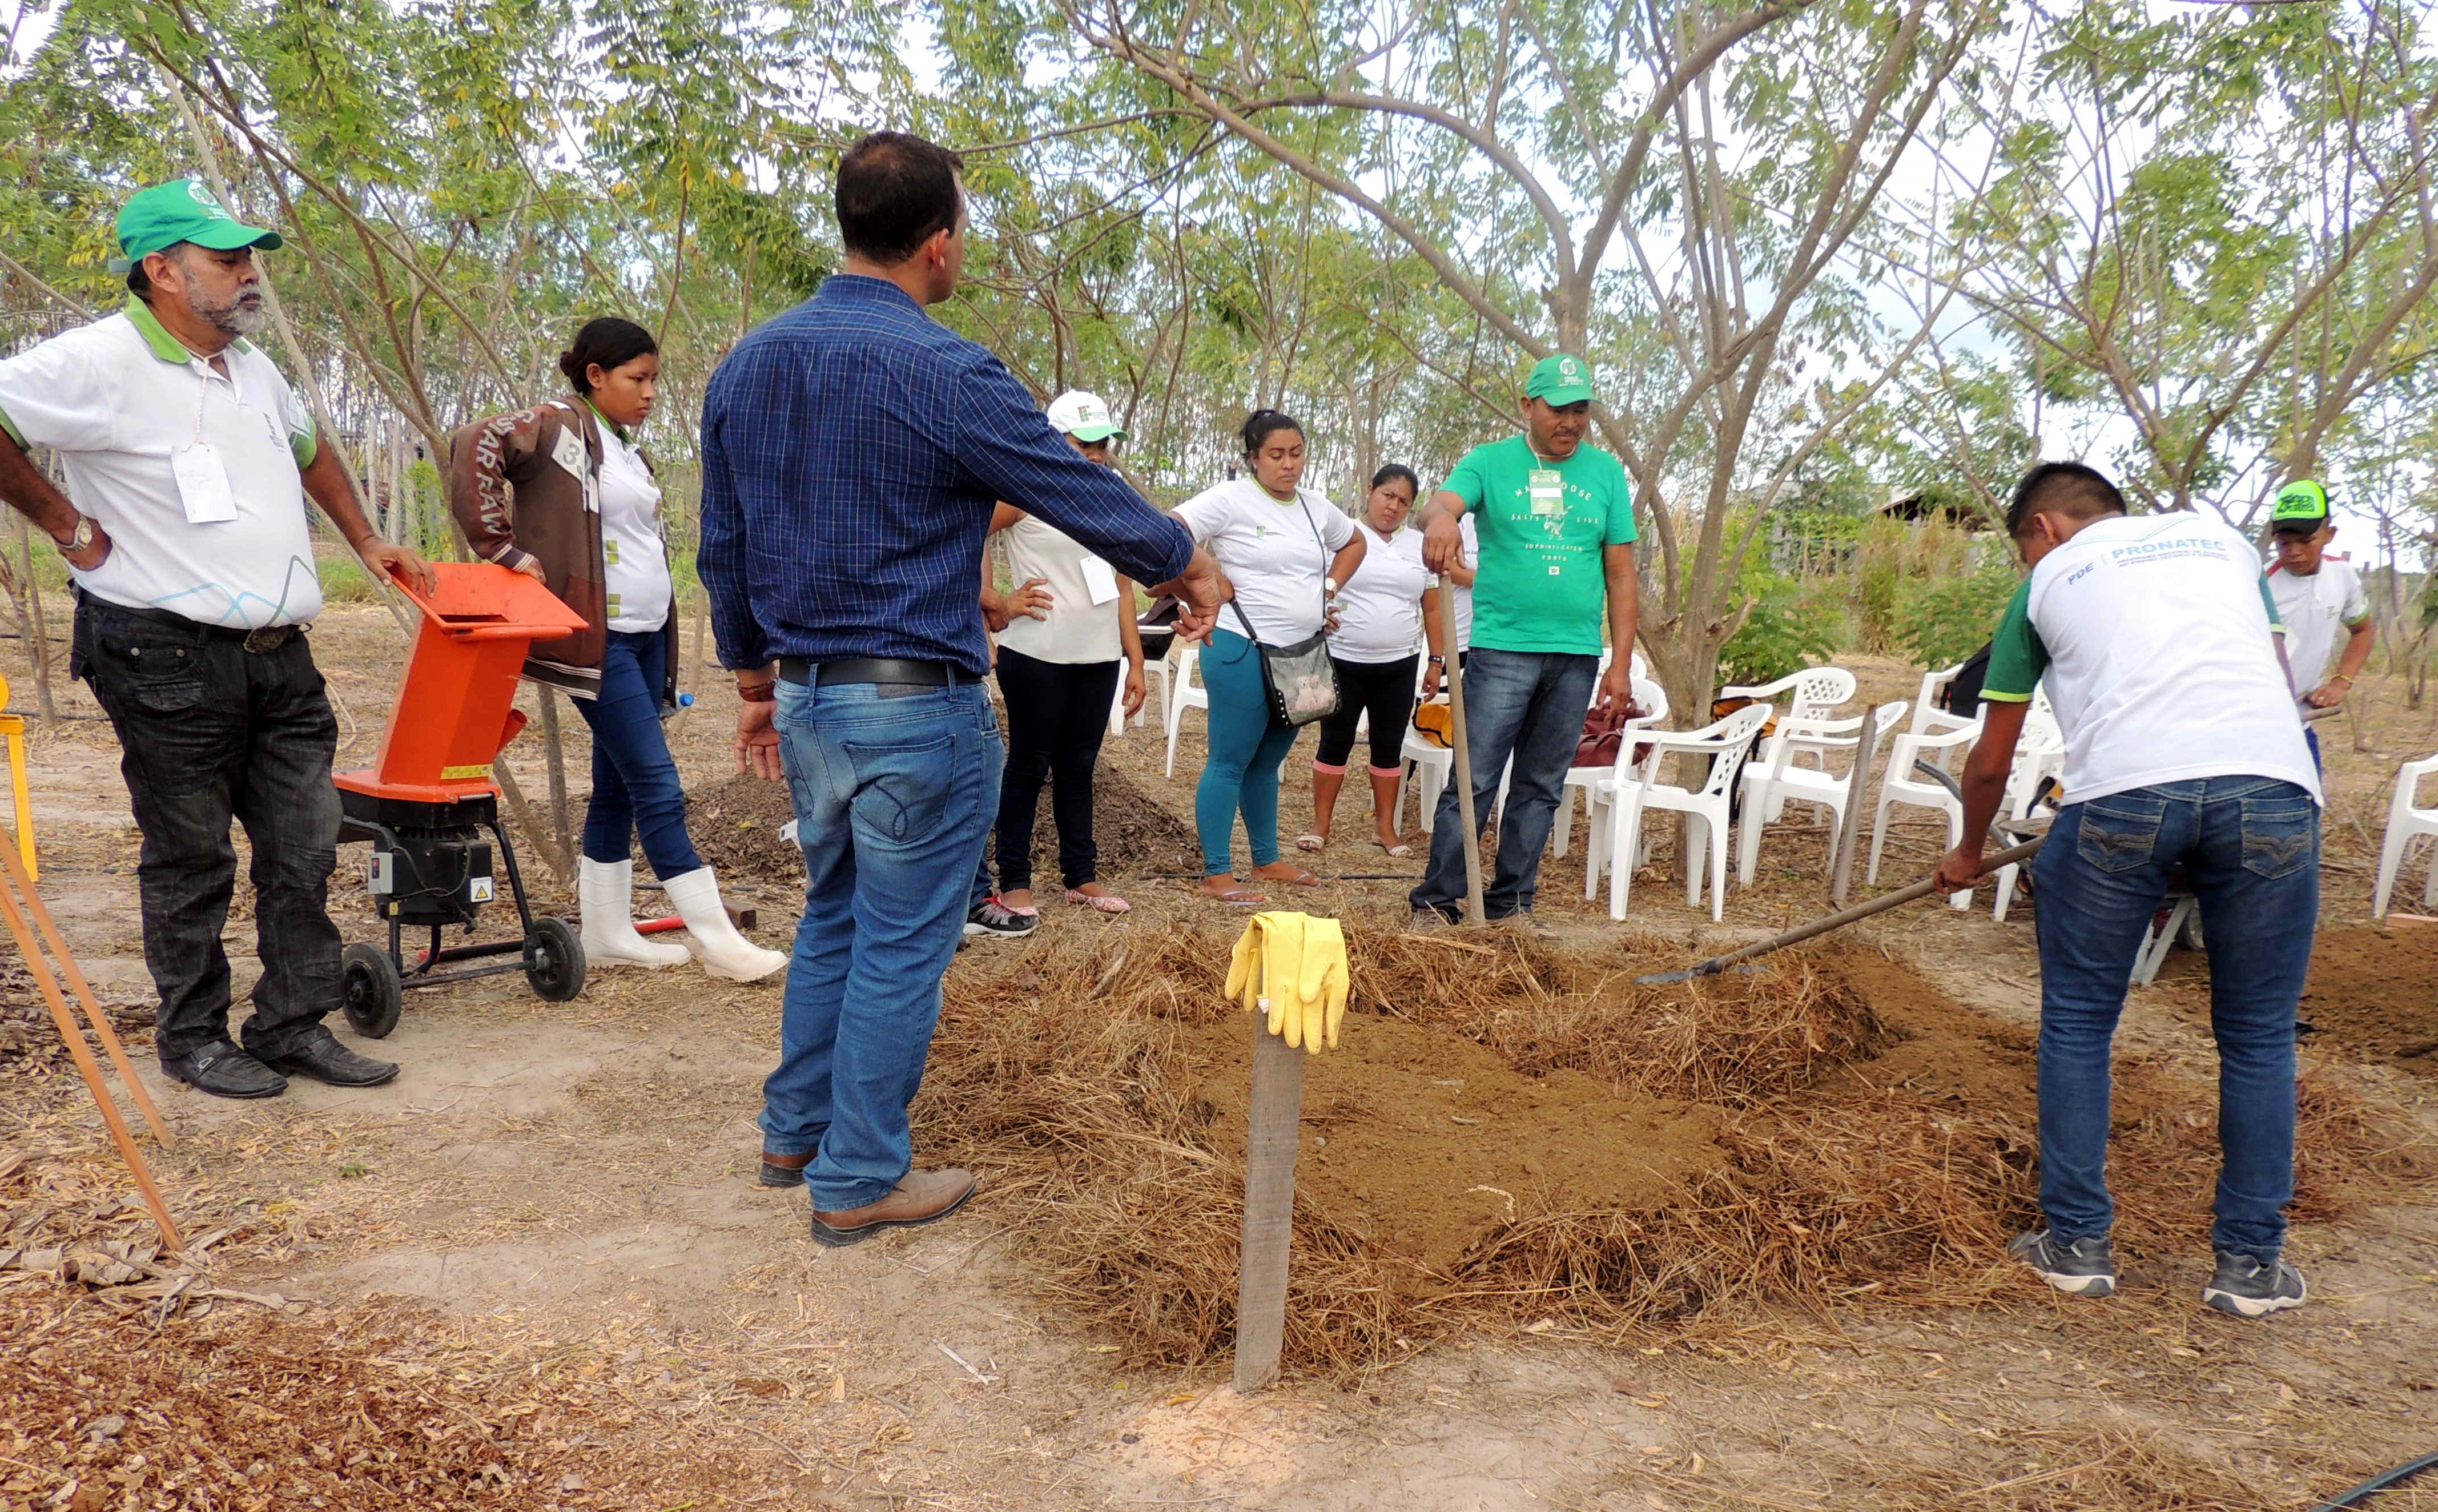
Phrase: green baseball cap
(1560, 379)
(184, 210)
(2302, 508)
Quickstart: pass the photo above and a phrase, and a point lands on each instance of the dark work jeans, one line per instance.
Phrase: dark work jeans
(1529, 705)
(1056, 714)
(2250, 846)
(212, 732)
(635, 784)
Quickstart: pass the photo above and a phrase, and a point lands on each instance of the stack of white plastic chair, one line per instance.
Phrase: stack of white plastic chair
(1771, 782)
(1652, 700)
(1185, 693)
(1621, 800)
(1902, 786)
(2039, 753)
(2406, 824)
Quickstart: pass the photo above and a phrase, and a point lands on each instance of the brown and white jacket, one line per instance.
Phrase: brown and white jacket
(527, 486)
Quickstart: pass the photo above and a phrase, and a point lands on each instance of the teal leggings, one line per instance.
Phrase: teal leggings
(1245, 749)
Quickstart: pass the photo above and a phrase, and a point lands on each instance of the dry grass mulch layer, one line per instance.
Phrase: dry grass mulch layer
(246, 1411)
(1513, 1136)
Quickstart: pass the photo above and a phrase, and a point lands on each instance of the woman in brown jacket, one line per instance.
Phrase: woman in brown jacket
(561, 493)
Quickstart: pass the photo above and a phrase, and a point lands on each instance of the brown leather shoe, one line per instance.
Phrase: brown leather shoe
(784, 1170)
(922, 1197)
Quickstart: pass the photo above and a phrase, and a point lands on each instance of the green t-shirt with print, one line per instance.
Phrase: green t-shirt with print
(1542, 527)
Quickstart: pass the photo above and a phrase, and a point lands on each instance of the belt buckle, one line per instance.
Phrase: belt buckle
(269, 638)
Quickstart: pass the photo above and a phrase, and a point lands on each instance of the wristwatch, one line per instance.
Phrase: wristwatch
(81, 537)
(1328, 585)
(1439, 659)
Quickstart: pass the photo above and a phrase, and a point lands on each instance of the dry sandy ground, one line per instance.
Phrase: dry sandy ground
(570, 1187)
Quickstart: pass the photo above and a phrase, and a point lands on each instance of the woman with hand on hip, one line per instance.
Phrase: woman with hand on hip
(1283, 552)
(563, 493)
(1068, 638)
(1385, 617)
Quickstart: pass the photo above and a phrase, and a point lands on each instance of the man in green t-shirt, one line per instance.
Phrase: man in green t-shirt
(1555, 520)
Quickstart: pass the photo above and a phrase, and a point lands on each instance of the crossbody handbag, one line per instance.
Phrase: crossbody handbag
(1300, 678)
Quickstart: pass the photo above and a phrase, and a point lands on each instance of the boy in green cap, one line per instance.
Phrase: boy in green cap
(188, 460)
(2317, 593)
(1555, 519)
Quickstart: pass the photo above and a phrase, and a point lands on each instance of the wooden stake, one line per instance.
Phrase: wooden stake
(1269, 1206)
(89, 1068)
(23, 881)
(1850, 827)
(1474, 913)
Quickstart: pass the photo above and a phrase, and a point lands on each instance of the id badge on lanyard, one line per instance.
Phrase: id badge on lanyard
(1547, 488)
(202, 483)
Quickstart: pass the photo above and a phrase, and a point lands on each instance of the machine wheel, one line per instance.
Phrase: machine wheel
(553, 960)
(372, 993)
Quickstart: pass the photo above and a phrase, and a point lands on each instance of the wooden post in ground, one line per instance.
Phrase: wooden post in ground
(1849, 824)
(1463, 775)
(1269, 1206)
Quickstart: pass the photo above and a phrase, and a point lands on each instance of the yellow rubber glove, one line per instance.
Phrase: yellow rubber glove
(1244, 966)
(1282, 968)
(1322, 982)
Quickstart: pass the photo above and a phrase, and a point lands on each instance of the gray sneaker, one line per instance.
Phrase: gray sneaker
(2086, 1268)
(2248, 1288)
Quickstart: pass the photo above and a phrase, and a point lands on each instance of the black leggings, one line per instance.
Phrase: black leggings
(1056, 714)
(1385, 689)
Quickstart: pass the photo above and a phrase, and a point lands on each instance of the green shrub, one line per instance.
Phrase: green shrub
(1793, 624)
(344, 581)
(1941, 620)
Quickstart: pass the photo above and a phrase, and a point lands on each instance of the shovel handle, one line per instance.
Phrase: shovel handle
(1844, 916)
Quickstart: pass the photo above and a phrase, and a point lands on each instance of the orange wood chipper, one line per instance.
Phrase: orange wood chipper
(428, 803)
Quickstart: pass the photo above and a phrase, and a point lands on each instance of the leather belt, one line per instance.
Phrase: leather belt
(260, 642)
(898, 670)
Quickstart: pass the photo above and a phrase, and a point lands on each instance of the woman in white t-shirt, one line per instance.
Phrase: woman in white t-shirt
(562, 493)
(1385, 617)
(1070, 636)
(1283, 553)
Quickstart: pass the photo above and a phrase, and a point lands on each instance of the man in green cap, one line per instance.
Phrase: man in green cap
(188, 461)
(2317, 594)
(1555, 520)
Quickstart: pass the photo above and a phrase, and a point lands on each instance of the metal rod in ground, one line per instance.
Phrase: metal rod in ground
(1463, 775)
(1269, 1206)
(1849, 826)
(1835, 921)
(90, 1070)
(19, 875)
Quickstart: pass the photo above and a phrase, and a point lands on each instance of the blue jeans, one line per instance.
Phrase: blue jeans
(894, 797)
(2249, 847)
(1242, 773)
(1529, 705)
(634, 780)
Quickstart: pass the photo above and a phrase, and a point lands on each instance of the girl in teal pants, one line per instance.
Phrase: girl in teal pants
(1241, 773)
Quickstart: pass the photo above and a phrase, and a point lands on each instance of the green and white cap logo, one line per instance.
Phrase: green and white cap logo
(2302, 505)
(1564, 379)
(1084, 415)
(183, 210)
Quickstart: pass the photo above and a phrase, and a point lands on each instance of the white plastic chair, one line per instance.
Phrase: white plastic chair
(2039, 753)
(1636, 786)
(1902, 786)
(1928, 718)
(1186, 692)
(1152, 667)
(1770, 783)
(2405, 824)
(1810, 694)
(1651, 696)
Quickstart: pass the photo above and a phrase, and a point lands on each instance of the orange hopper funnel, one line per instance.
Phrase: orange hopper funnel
(455, 707)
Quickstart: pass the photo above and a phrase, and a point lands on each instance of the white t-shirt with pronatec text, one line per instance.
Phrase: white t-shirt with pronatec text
(1380, 608)
(1276, 552)
(2315, 608)
(2155, 635)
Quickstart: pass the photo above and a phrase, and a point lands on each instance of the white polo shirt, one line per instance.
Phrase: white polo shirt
(2313, 609)
(117, 399)
(2156, 636)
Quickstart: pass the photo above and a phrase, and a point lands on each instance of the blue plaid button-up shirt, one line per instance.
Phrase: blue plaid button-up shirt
(852, 449)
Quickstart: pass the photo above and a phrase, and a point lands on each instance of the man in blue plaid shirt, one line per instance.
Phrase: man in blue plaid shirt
(852, 451)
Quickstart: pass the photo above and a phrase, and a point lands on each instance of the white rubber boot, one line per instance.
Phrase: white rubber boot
(606, 890)
(725, 953)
